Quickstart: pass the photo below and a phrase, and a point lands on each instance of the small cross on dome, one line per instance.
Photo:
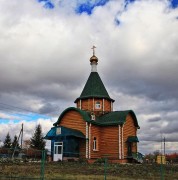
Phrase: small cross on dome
(93, 50)
(93, 61)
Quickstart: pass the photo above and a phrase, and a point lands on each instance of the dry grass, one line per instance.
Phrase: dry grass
(80, 171)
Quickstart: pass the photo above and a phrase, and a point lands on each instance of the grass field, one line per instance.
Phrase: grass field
(84, 171)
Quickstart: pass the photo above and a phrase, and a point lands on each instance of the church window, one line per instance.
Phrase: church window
(94, 144)
(92, 117)
(58, 130)
(97, 105)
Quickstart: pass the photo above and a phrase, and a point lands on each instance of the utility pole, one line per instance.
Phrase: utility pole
(161, 144)
(162, 154)
(22, 137)
(164, 140)
(21, 133)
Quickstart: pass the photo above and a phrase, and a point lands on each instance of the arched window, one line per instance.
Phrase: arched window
(97, 105)
(94, 144)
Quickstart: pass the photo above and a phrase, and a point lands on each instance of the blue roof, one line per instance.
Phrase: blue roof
(132, 139)
(60, 131)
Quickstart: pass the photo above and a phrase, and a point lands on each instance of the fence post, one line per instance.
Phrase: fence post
(162, 170)
(105, 167)
(42, 165)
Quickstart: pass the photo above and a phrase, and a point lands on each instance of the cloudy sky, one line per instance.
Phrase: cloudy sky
(45, 47)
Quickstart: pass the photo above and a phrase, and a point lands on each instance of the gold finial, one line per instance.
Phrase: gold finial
(93, 50)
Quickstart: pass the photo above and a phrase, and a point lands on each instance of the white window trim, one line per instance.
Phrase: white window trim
(95, 144)
(89, 153)
(86, 140)
(58, 131)
(103, 106)
(97, 105)
(92, 117)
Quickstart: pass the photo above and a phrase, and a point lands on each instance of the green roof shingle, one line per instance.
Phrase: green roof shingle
(94, 87)
(109, 119)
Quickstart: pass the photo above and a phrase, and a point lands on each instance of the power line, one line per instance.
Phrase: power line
(12, 107)
(18, 108)
(16, 115)
(16, 112)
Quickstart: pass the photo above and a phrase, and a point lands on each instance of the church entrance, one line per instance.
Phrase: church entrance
(58, 151)
(65, 142)
(129, 149)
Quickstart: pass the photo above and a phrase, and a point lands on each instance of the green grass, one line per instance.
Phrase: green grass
(80, 171)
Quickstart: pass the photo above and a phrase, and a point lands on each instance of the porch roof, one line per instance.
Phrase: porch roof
(132, 139)
(60, 131)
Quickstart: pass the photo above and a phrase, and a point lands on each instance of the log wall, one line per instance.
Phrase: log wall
(107, 105)
(89, 105)
(129, 130)
(72, 119)
(95, 132)
(109, 142)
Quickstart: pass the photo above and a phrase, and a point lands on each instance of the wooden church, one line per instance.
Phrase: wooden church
(92, 130)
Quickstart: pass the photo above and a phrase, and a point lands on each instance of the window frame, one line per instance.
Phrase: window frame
(95, 144)
(97, 105)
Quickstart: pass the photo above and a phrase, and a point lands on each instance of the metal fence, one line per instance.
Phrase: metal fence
(14, 163)
(28, 164)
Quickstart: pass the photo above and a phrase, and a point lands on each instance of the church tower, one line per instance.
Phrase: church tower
(94, 97)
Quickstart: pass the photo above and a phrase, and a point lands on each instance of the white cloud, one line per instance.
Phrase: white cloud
(28, 128)
(9, 117)
(45, 60)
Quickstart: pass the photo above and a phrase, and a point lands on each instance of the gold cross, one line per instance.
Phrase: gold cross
(93, 50)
